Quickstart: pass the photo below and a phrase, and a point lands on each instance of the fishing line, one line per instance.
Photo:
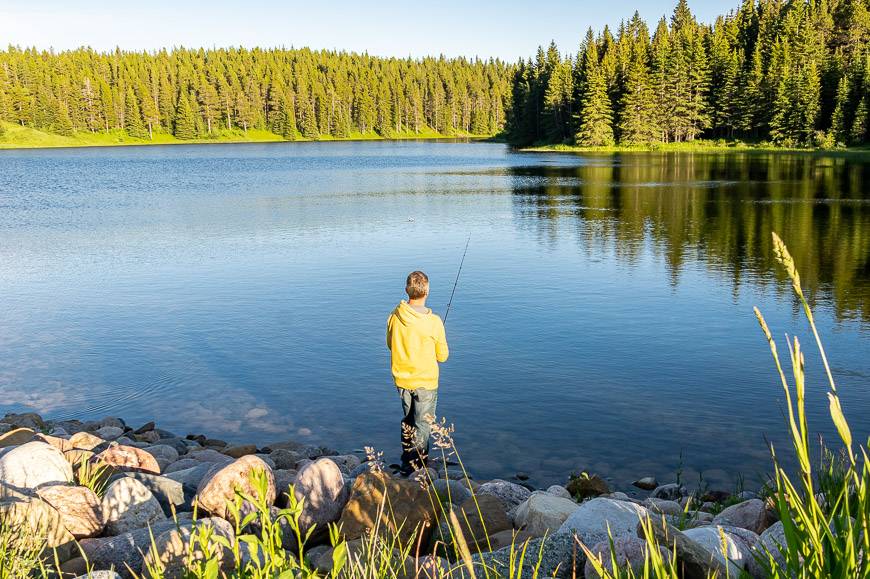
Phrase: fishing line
(456, 282)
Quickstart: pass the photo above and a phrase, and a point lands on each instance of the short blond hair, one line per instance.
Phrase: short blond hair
(417, 285)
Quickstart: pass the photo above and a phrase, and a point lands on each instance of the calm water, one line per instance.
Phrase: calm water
(603, 320)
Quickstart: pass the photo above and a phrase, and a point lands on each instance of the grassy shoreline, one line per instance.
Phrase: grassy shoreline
(16, 136)
(701, 146)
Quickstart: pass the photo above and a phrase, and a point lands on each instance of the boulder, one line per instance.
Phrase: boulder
(591, 520)
(669, 492)
(663, 506)
(452, 491)
(404, 508)
(693, 560)
(347, 462)
(629, 552)
(480, 517)
(129, 505)
(320, 485)
(32, 465)
(586, 486)
(172, 552)
(507, 537)
(511, 494)
(559, 491)
(543, 513)
(647, 483)
(559, 556)
(29, 420)
(124, 552)
(771, 543)
(75, 567)
(109, 432)
(240, 450)
(16, 437)
(217, 490)
(79, 508)
(168, 492)
(163, 453)
(100, 575)
(283, 480)
(41, 519)
(129, 458)
(751, 515)
(147, 427)
(182, 464)
(285, 459)
(208, 455)
(85, 441)
(721, 545)
(191, 477)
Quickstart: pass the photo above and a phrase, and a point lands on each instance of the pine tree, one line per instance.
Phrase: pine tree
(596, 116)
(637, 124)
(840, 126)
(557, 102)
(133, 117)
(858, 134)
(185, 121)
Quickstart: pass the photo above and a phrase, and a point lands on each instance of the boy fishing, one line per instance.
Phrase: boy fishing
(417, 343)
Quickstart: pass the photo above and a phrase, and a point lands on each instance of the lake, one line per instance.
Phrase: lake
(603, 320)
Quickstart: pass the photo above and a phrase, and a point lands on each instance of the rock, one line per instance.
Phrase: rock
(182, 464)
(591, 520)
(162, 452)
(62, 444)
(663, 506)
(147, 427)
(208, 455)
(746, 495)
(109, 432)
(32, 465)
(240, 450)
(100, 575)
(375, 493)
(283, 480)
(177, 443)
(423, 476)
(75, 567)
(559, 491)
(716, 496)
(191, 477)
(721, 544)
(321, 485)
(669, 492)
(451, 491)
(215, 443)
(79, 508)
(265, 458)
(5, 427)
(129, 505)
(772, 542)
(40, 519)
(693, 560)
(629, 551)
(124, 552)
(480, 517)
(85, 441)
(619, 496)
(168, 492)
(129, 458)
(285, 459)
(751, 515)
(543, 513)
(172, 550)
(347, 462)
(29, 420)
(560, 556)
(511, 494)
(16, 437)
(647, 483)
(583, 486)
(217, 490)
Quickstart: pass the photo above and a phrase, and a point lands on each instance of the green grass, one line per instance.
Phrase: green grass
(17, 137)
(697, 146)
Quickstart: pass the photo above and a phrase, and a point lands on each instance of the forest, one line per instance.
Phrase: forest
(792, 73)
(196, 94)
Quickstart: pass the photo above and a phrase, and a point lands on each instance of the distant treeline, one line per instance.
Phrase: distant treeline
(293, 93)
(793, 72)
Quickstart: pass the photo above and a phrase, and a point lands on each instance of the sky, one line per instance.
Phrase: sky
(508, 29)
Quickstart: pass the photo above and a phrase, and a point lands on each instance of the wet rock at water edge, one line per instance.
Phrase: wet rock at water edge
(647, 483)
(669, 492)
(586, 486)
(29, 420)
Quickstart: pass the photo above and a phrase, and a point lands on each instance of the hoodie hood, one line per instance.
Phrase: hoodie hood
(407, 315)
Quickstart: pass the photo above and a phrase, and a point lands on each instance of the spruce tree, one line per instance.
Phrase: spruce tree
(185, 121)
(858, 134)
(133, 117)
(595, 116)
(840, 126)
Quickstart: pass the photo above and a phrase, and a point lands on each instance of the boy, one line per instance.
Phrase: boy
(417, 342)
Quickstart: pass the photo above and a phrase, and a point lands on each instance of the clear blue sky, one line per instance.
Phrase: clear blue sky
(507, 29)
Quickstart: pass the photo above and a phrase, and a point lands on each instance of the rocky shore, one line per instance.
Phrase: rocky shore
(101, 490)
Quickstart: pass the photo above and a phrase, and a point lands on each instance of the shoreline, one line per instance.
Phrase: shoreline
(700, 146)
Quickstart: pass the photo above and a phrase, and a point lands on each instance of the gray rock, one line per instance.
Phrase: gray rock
(172, 548)
(190, 477)
(361, 469)
(79, 508)
(721, 545)
(511, 494)
(183, 464)
(32, 465)
(267, 459)
(163, 452)
(543, 513)
(751, 515)
(560, 557)
(669, 492)
(771, 543)
(29, 420)
(283, 480)
(663, 506)
(168, 492)
(559, 491)
(209, 455)
(179, 444)
(129, 505)
(451, 490)
(695, 560)
(100, 575)
(109, 432)
(285, 459)
(647, 483)
(591, 520)
(629, 552)
(124, 552)
(321, 485)
(348, 462)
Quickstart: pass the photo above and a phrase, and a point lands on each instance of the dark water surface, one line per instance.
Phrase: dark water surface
(603, 320)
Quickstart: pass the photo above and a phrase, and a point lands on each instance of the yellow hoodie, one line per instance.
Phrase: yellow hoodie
(417, 342)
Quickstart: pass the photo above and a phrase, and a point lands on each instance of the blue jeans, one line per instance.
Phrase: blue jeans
(419, 409)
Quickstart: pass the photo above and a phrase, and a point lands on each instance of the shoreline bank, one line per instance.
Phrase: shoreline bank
(694, 147)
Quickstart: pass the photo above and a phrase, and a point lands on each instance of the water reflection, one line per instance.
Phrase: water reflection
(717, 209)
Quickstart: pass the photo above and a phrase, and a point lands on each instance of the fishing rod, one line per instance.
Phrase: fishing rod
(456, 282)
